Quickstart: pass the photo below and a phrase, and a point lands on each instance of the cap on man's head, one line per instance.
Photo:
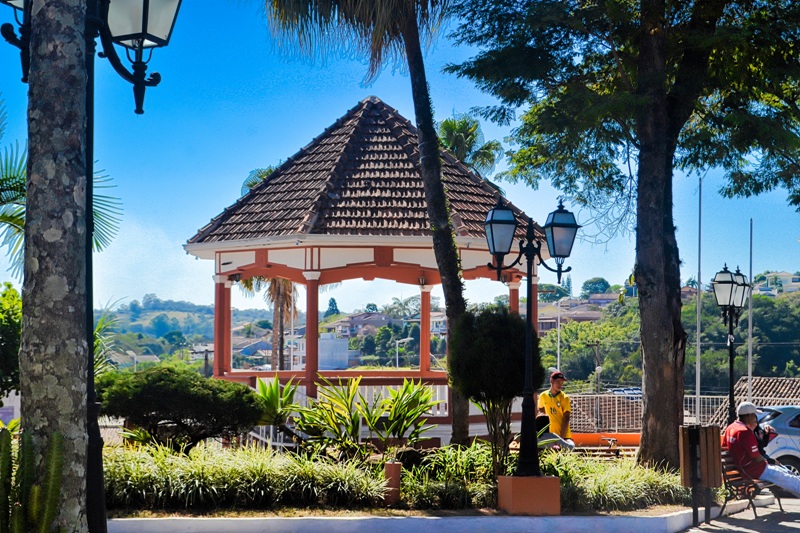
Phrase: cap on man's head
(745, 408)
(558, 375)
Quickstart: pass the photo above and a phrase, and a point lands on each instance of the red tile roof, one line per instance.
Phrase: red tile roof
(359, 177)
(767, 391)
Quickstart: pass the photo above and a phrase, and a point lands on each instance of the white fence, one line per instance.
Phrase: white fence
(591, 413)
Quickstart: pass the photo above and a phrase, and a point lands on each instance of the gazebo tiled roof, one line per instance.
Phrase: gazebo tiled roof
(359, 177)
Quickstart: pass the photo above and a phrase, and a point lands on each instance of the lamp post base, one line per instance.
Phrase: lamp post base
(534, 496)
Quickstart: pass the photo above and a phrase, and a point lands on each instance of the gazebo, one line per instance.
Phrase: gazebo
(350, 205)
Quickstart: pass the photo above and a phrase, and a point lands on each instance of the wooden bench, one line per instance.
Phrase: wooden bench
(611, 451)
(738, 485)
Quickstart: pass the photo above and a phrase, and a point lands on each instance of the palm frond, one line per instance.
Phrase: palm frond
(12, 175)
(104, 342)
(3, 118)
(12, 236)
(107, 209)
(107, 213)
(255, 177)
(350, 28)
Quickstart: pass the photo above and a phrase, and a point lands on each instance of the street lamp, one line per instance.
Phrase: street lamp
(397, 344)
(560, 230)
(136, 25)
(730, 291)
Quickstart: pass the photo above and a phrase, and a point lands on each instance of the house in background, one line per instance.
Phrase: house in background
(354, 325)
(688, 293)
(438, 322)
(780, 282)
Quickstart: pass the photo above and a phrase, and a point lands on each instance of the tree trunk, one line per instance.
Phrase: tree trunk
(282, 328)
(275, 360)
(657, 259)
(54, 351)
(444, 245)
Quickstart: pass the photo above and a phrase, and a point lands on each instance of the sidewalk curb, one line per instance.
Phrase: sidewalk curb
(671, 523)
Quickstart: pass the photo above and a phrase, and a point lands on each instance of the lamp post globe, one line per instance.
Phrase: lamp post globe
(560, 231)
(724, 286)
(16, 4)
(141, 24)
(500, 226)
(731, 291)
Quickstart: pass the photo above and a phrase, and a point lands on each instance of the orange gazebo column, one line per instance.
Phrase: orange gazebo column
(425, 329)
(513, 296)
(312, 332)
(534, 318)
(222, 325)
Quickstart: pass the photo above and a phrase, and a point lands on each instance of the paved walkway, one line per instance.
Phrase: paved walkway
(770, 520)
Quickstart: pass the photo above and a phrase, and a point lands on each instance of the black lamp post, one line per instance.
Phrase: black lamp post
(560, 230)
(136, 25)
(730, 291)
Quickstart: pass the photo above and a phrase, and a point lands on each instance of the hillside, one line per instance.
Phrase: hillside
(155, 317)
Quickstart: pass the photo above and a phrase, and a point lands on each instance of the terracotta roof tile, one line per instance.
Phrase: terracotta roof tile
(359, 177)
(767, 391)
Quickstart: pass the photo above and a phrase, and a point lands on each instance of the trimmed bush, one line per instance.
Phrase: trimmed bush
(178, 406)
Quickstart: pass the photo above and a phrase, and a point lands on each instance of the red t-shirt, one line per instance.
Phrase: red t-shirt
(743, 447)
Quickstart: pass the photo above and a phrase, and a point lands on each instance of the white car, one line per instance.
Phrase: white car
(784, 448)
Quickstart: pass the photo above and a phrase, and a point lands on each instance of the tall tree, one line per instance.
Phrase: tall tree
(333, 309)
(386, 31)
(619, 95)
(54, 351)
(594, 286)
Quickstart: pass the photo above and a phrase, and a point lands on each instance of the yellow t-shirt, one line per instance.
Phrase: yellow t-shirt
(555, 407)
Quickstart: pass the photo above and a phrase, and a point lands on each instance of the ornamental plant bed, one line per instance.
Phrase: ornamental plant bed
(212, 480)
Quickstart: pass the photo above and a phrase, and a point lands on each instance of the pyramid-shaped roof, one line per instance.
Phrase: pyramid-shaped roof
(360, 177)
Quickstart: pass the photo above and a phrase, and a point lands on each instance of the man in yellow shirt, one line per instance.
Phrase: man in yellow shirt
(555, 404)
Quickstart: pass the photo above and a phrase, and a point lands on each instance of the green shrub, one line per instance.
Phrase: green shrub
(487, 365)
(176, 405)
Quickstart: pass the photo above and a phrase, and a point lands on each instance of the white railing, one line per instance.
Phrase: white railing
(591, 413)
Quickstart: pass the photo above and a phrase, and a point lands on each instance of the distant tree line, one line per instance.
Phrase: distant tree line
(612, 343)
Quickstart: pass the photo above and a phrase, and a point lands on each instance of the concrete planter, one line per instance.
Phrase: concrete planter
(534, 496)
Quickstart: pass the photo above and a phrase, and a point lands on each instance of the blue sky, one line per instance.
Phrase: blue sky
(230, 103)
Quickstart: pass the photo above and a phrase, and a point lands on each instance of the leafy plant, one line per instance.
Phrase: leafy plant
(407, 406)
(333, 420)
(279, 404)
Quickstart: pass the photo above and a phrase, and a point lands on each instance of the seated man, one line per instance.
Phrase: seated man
(555, 404)
(743, 447)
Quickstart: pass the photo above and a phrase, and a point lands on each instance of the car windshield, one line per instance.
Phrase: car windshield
(767, 414)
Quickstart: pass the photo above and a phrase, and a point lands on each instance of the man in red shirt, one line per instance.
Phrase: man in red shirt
(743, 447)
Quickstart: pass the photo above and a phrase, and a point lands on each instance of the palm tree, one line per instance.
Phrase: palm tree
(279, 292)
(390, 30)
(463, 137)
(281, 295)
(106, 210)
